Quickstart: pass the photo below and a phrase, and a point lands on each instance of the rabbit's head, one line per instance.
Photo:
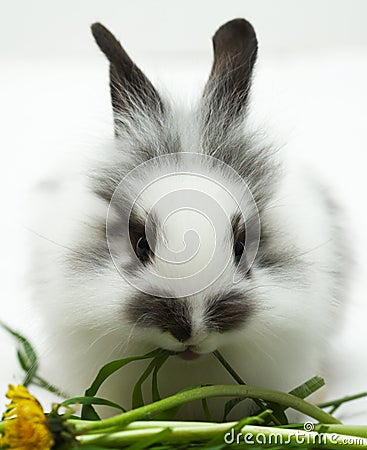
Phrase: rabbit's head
(188, 243)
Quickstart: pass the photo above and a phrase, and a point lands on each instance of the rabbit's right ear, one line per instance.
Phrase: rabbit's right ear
(130, 88)
(235, 52)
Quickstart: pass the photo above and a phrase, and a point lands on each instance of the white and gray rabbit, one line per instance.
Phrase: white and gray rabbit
(191, 233)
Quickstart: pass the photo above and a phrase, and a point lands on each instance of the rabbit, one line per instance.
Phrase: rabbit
(190, 232)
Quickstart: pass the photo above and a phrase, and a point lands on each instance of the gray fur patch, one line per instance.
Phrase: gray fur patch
(167, 314)
(227, 312)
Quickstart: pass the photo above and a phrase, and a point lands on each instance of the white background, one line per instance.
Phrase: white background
(310, 92)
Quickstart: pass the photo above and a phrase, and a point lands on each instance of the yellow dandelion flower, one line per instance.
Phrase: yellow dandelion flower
(25, 422)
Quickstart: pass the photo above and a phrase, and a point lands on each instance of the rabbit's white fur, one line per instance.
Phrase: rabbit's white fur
(295, 298)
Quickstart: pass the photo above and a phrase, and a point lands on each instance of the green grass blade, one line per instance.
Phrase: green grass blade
(137, 398)
(228, 367)
(304, 390)
(91, 401)
(278, 413)
(38, 381)
(206, 410)
(260, 403)
(155, 390)
(105, 372)
(26, 355)
(110, 368)
(309, 387)
(342, 400)
(23, 360)
(229, 405)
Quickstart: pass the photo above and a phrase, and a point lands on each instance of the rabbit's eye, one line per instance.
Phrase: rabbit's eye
(239, 237)
(142, 249)
(238, 250)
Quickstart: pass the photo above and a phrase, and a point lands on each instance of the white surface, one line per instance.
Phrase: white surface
(311, 93)
(58, 29)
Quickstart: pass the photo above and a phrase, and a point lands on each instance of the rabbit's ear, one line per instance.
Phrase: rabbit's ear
(235, 51)
(130, 88)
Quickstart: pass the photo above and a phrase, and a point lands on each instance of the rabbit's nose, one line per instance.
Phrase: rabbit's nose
(182, 332)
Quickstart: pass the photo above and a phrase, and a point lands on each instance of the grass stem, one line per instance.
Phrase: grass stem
(145, 412)
(258, 435)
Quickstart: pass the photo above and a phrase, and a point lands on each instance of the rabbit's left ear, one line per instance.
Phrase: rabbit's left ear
(130, 88)
(235, 52)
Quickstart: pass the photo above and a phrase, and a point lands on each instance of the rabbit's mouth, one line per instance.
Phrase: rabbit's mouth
(189, 355)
